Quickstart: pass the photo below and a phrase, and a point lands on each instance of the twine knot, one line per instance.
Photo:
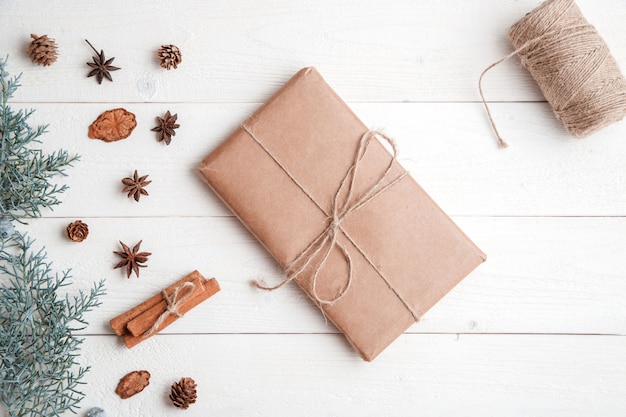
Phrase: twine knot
(179, 295)
(316, 254)
(335, 224)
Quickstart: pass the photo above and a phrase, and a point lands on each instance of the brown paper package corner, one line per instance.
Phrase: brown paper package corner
(306, 134)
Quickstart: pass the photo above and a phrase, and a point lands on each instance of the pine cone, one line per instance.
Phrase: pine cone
(77, 231)
(170, 56)
(42, 50)
(183, 393)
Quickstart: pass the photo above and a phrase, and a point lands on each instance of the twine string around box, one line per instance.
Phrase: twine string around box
(179, 295)
(572, 65)
(327, 240)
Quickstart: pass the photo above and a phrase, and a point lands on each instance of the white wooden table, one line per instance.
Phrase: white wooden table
(538, 330)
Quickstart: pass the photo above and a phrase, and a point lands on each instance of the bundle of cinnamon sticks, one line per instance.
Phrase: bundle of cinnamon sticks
(153, 315)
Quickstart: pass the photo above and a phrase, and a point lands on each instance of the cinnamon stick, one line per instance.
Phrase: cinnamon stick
(118, 324)
(141, 324)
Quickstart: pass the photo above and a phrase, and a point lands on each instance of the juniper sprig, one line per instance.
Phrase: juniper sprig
(40, 374)
(39, 370)
(25, 172)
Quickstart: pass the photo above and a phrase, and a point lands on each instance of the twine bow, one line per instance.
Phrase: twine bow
(327, 240)
(172, 304)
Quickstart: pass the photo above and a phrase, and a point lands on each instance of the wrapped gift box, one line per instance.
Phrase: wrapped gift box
(332, 205)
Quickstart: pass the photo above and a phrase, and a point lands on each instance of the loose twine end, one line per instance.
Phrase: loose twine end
(501, 143)
(260, 284)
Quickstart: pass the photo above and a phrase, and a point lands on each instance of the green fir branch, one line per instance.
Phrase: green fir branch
(25, 172)
(39, 370)
(40, 375)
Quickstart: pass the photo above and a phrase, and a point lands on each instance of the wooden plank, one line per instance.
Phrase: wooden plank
(542, 275)
(448, 147)
(397, 50)
(318, 375)
(537, 330)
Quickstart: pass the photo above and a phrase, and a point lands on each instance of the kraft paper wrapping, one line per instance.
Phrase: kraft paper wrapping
(279, 174)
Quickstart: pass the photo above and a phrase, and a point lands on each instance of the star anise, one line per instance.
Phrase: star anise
(132, 259)
(135, 186)
(166, 127)
(101, 66)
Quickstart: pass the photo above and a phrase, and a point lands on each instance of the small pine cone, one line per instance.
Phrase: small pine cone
(77, 231)
(42, 50)
(183, 393)
(170, 56)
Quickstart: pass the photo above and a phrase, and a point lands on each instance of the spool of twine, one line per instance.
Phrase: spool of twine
(572, 65)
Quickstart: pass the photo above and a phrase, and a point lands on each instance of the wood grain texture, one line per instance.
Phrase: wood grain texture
(318, 375)
(538, 330)
(543, 275)
(447, 147)
(369, 50)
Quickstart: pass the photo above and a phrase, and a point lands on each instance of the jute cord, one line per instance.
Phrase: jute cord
(572, 66)
(179, 295)
(322, 246)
